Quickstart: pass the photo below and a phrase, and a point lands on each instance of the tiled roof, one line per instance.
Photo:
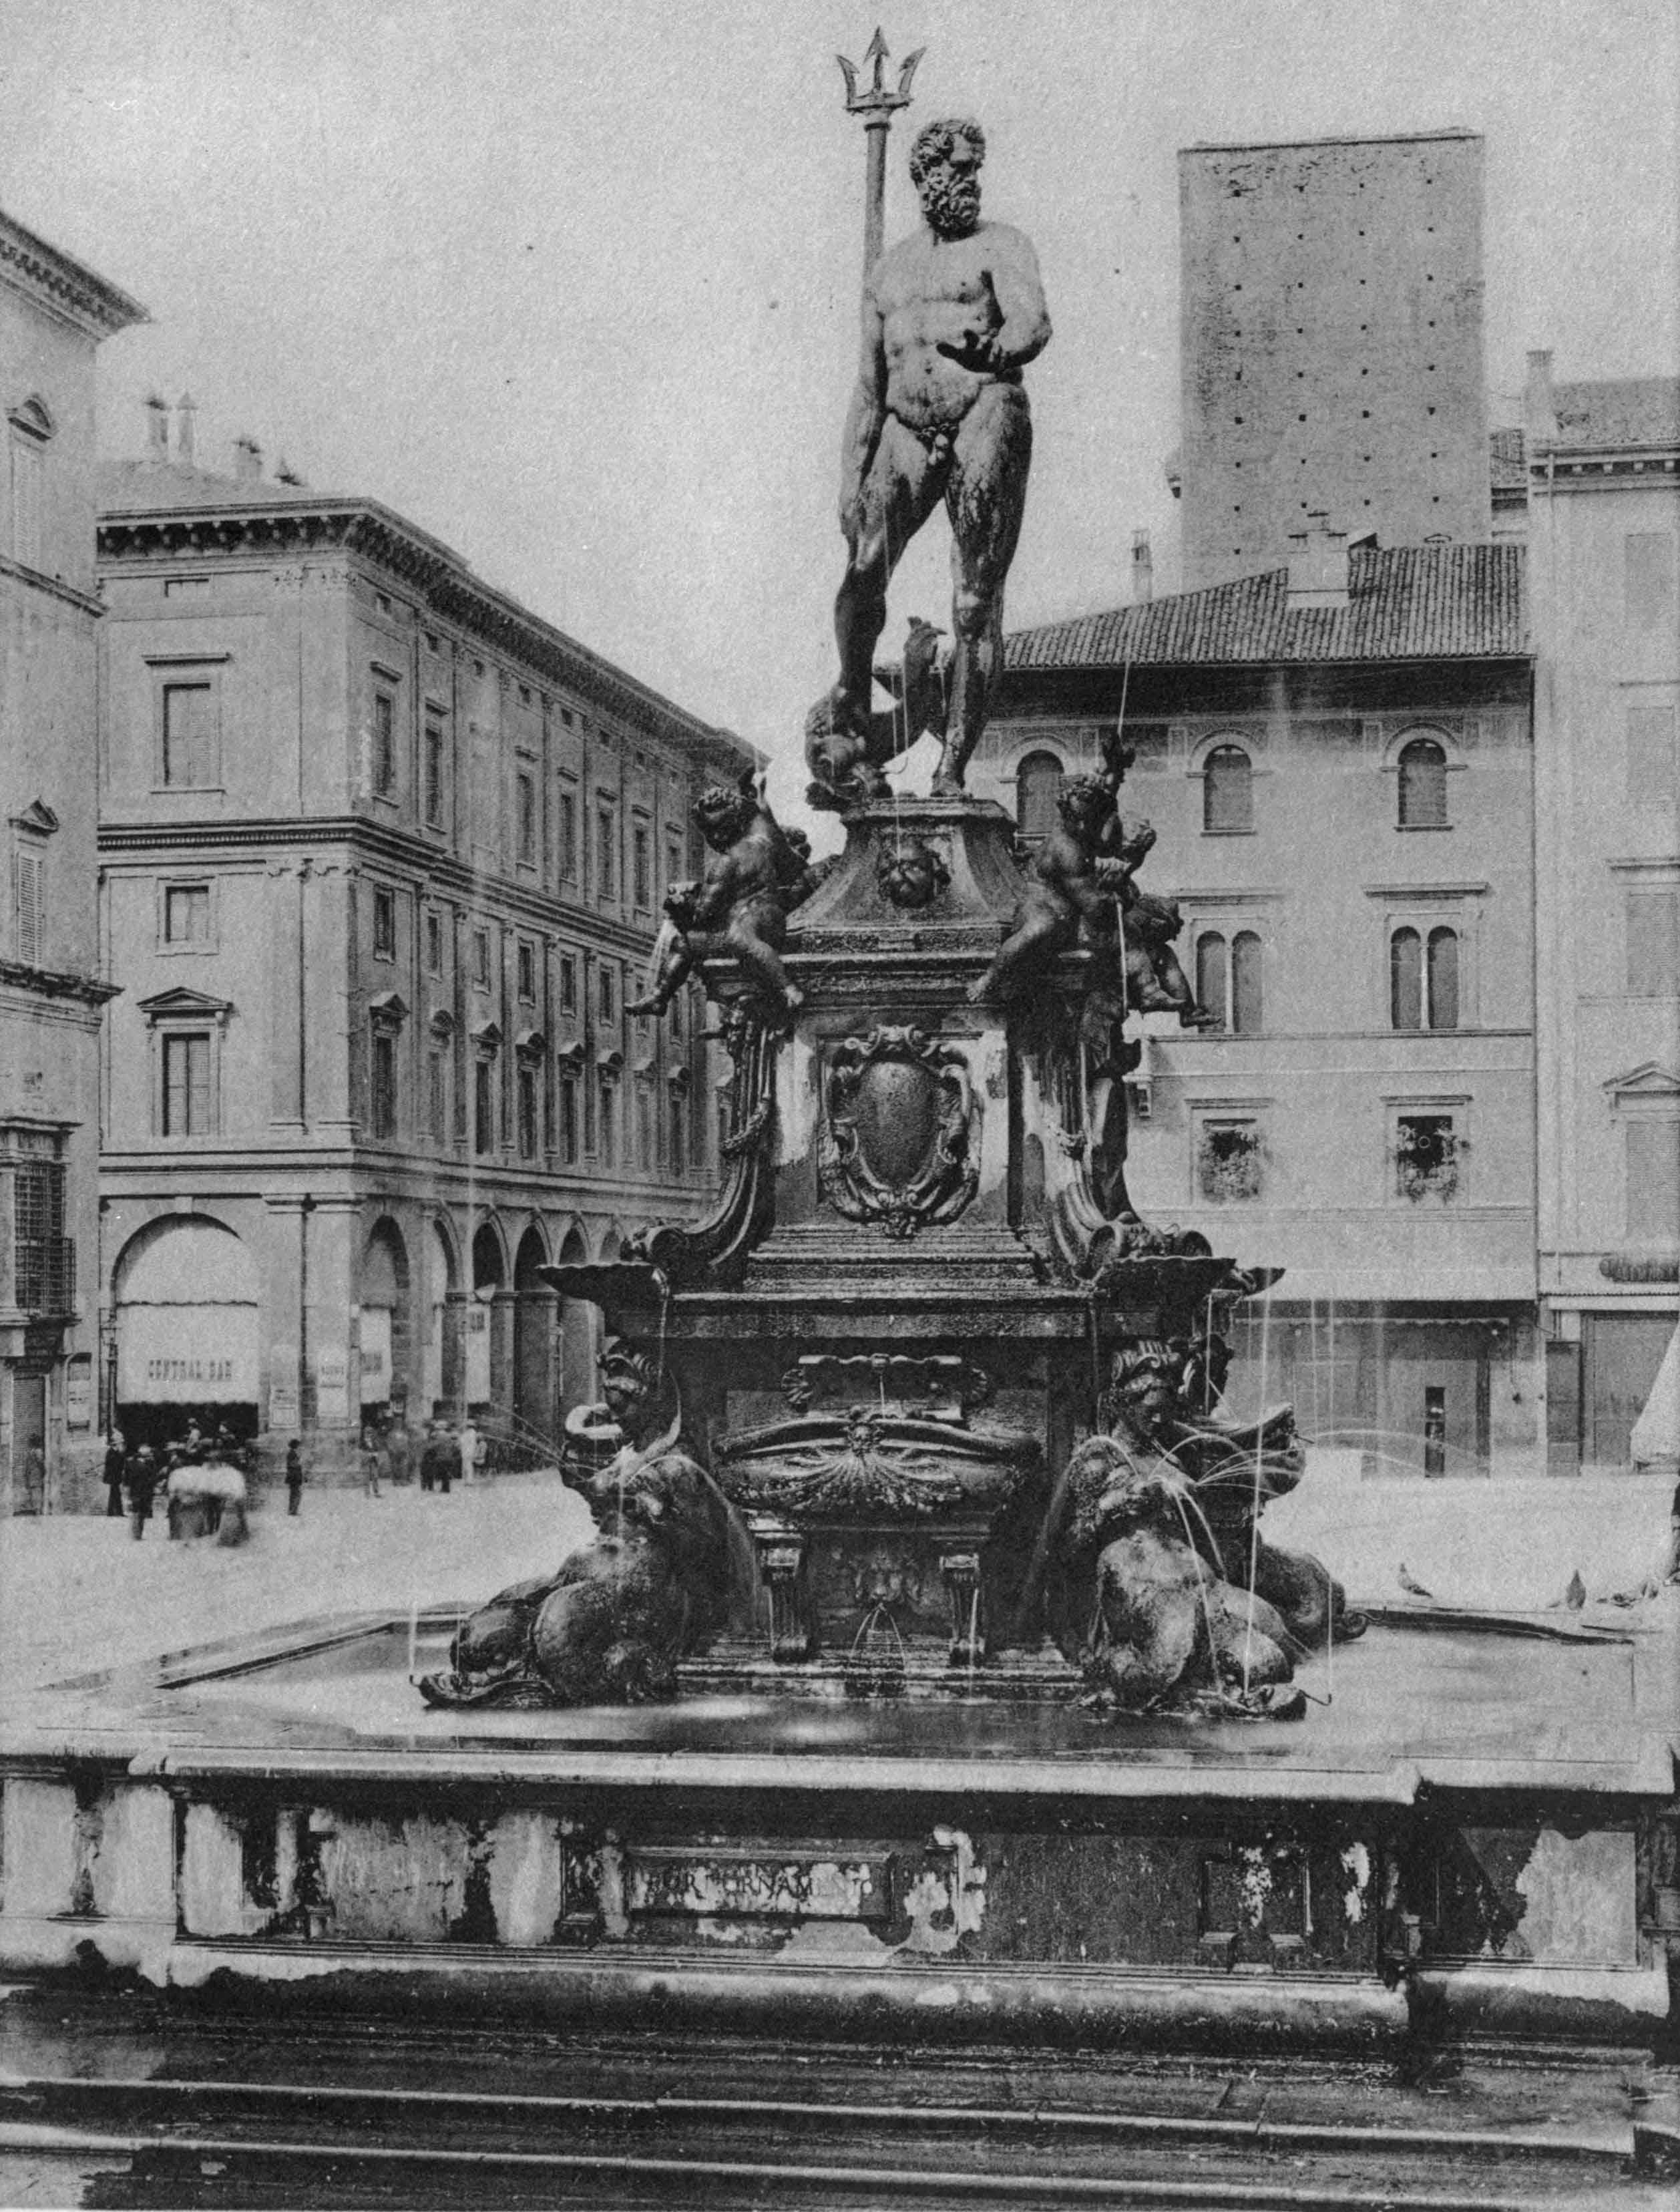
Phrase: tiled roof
(1634, 411)
(1405, 603)
(147, 486)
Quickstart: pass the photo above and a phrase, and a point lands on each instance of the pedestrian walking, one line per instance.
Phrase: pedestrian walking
(143, 1477)
(370, 1463)
(449, 1459)
(429, 1457)
(470, 1441)
(116, 1470)
(401, 1442)
(294, 1477)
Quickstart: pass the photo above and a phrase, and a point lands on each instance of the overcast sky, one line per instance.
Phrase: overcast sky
(574, 285)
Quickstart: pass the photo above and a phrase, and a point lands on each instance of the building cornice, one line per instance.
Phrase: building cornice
(443, 874)
(284, 529)
(67, 288)
(54, 585)
(55, 983)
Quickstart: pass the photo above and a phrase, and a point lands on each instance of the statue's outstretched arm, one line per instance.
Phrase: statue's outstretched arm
(865, 415)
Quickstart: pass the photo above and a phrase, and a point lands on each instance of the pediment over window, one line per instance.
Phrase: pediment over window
(389, 1008)
(442, 1024)
(37, 816)
(569, 1059)
(487, 1035)
(1647, 1081)
(610, 1062)
(531, 1044)
(182, 1004)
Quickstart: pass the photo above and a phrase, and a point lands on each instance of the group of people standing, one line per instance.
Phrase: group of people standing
(445, 1456)
(144, 1474)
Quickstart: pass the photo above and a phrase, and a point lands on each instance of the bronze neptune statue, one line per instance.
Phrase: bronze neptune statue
(951, 316)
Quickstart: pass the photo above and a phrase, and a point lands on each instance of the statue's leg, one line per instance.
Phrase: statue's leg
(1038, 937)
(986, 498)
(760, 961)
(900, 491)
(672, 964)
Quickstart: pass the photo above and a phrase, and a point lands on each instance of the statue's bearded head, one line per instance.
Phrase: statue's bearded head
(945, 169)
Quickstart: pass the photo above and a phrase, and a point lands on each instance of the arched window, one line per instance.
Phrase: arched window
(31, 427)
(1423, 978)
(1038, 786)
(1227, 980)
(1441, 978)
(1405, 980)
(1227, 791)
(1423, 785)
(1211, 993)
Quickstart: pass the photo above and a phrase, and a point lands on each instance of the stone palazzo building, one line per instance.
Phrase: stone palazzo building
(1603, 473)
(382, 858)
(1338, 758)
(53, 313)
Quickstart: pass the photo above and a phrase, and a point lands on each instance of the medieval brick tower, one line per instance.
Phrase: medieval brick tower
(1331, 346)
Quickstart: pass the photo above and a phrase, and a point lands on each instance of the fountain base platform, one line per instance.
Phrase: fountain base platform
(1471, 1835)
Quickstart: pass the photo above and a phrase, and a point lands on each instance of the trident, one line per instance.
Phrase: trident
(876, 106)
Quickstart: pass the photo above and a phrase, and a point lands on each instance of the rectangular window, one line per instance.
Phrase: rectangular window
(29, 902)
(673, 861)
(568, 983)
(641, 867)
(384, 1101)
(524, 793)
(527, 972)
(607, 996)
(1653, 944)
(186, 913)
(568, 828)
(484, 1107)
(590, 1117)
(434, 770)
(437, 1096)
(1654, 756)
(29, 478)
(677, 1017)
(1230, 1162)
(1648, 561)
(1653, 1180)
(606, 853)
(189, 735)
(481, 958)
(384, 744)
(43, 1258)
(647, 1138)
(385, 925)
(186, 1085)
(1425, 1155)
(526, 1080)
(608, 1121)
(677, 1137)
(434, 945)
(568, 1119)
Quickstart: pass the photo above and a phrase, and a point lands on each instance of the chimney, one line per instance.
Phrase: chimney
(1317, 565)
(1539, 405)
(247, 458)
(1142, 569)
(185, 411)
(157, 429)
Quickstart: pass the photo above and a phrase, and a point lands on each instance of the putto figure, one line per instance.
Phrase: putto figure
(951, 317)
(739, 907)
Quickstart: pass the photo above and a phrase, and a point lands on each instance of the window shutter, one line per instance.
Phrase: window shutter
(31, 868)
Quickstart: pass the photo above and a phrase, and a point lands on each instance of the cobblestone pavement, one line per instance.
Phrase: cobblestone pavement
(77, 1592)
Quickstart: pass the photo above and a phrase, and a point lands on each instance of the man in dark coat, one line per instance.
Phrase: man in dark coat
(116, 1467)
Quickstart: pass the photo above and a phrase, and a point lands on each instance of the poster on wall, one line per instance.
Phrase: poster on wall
(478, 1353)
(332, 1384)
(79, 1392)
(375, 1375)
